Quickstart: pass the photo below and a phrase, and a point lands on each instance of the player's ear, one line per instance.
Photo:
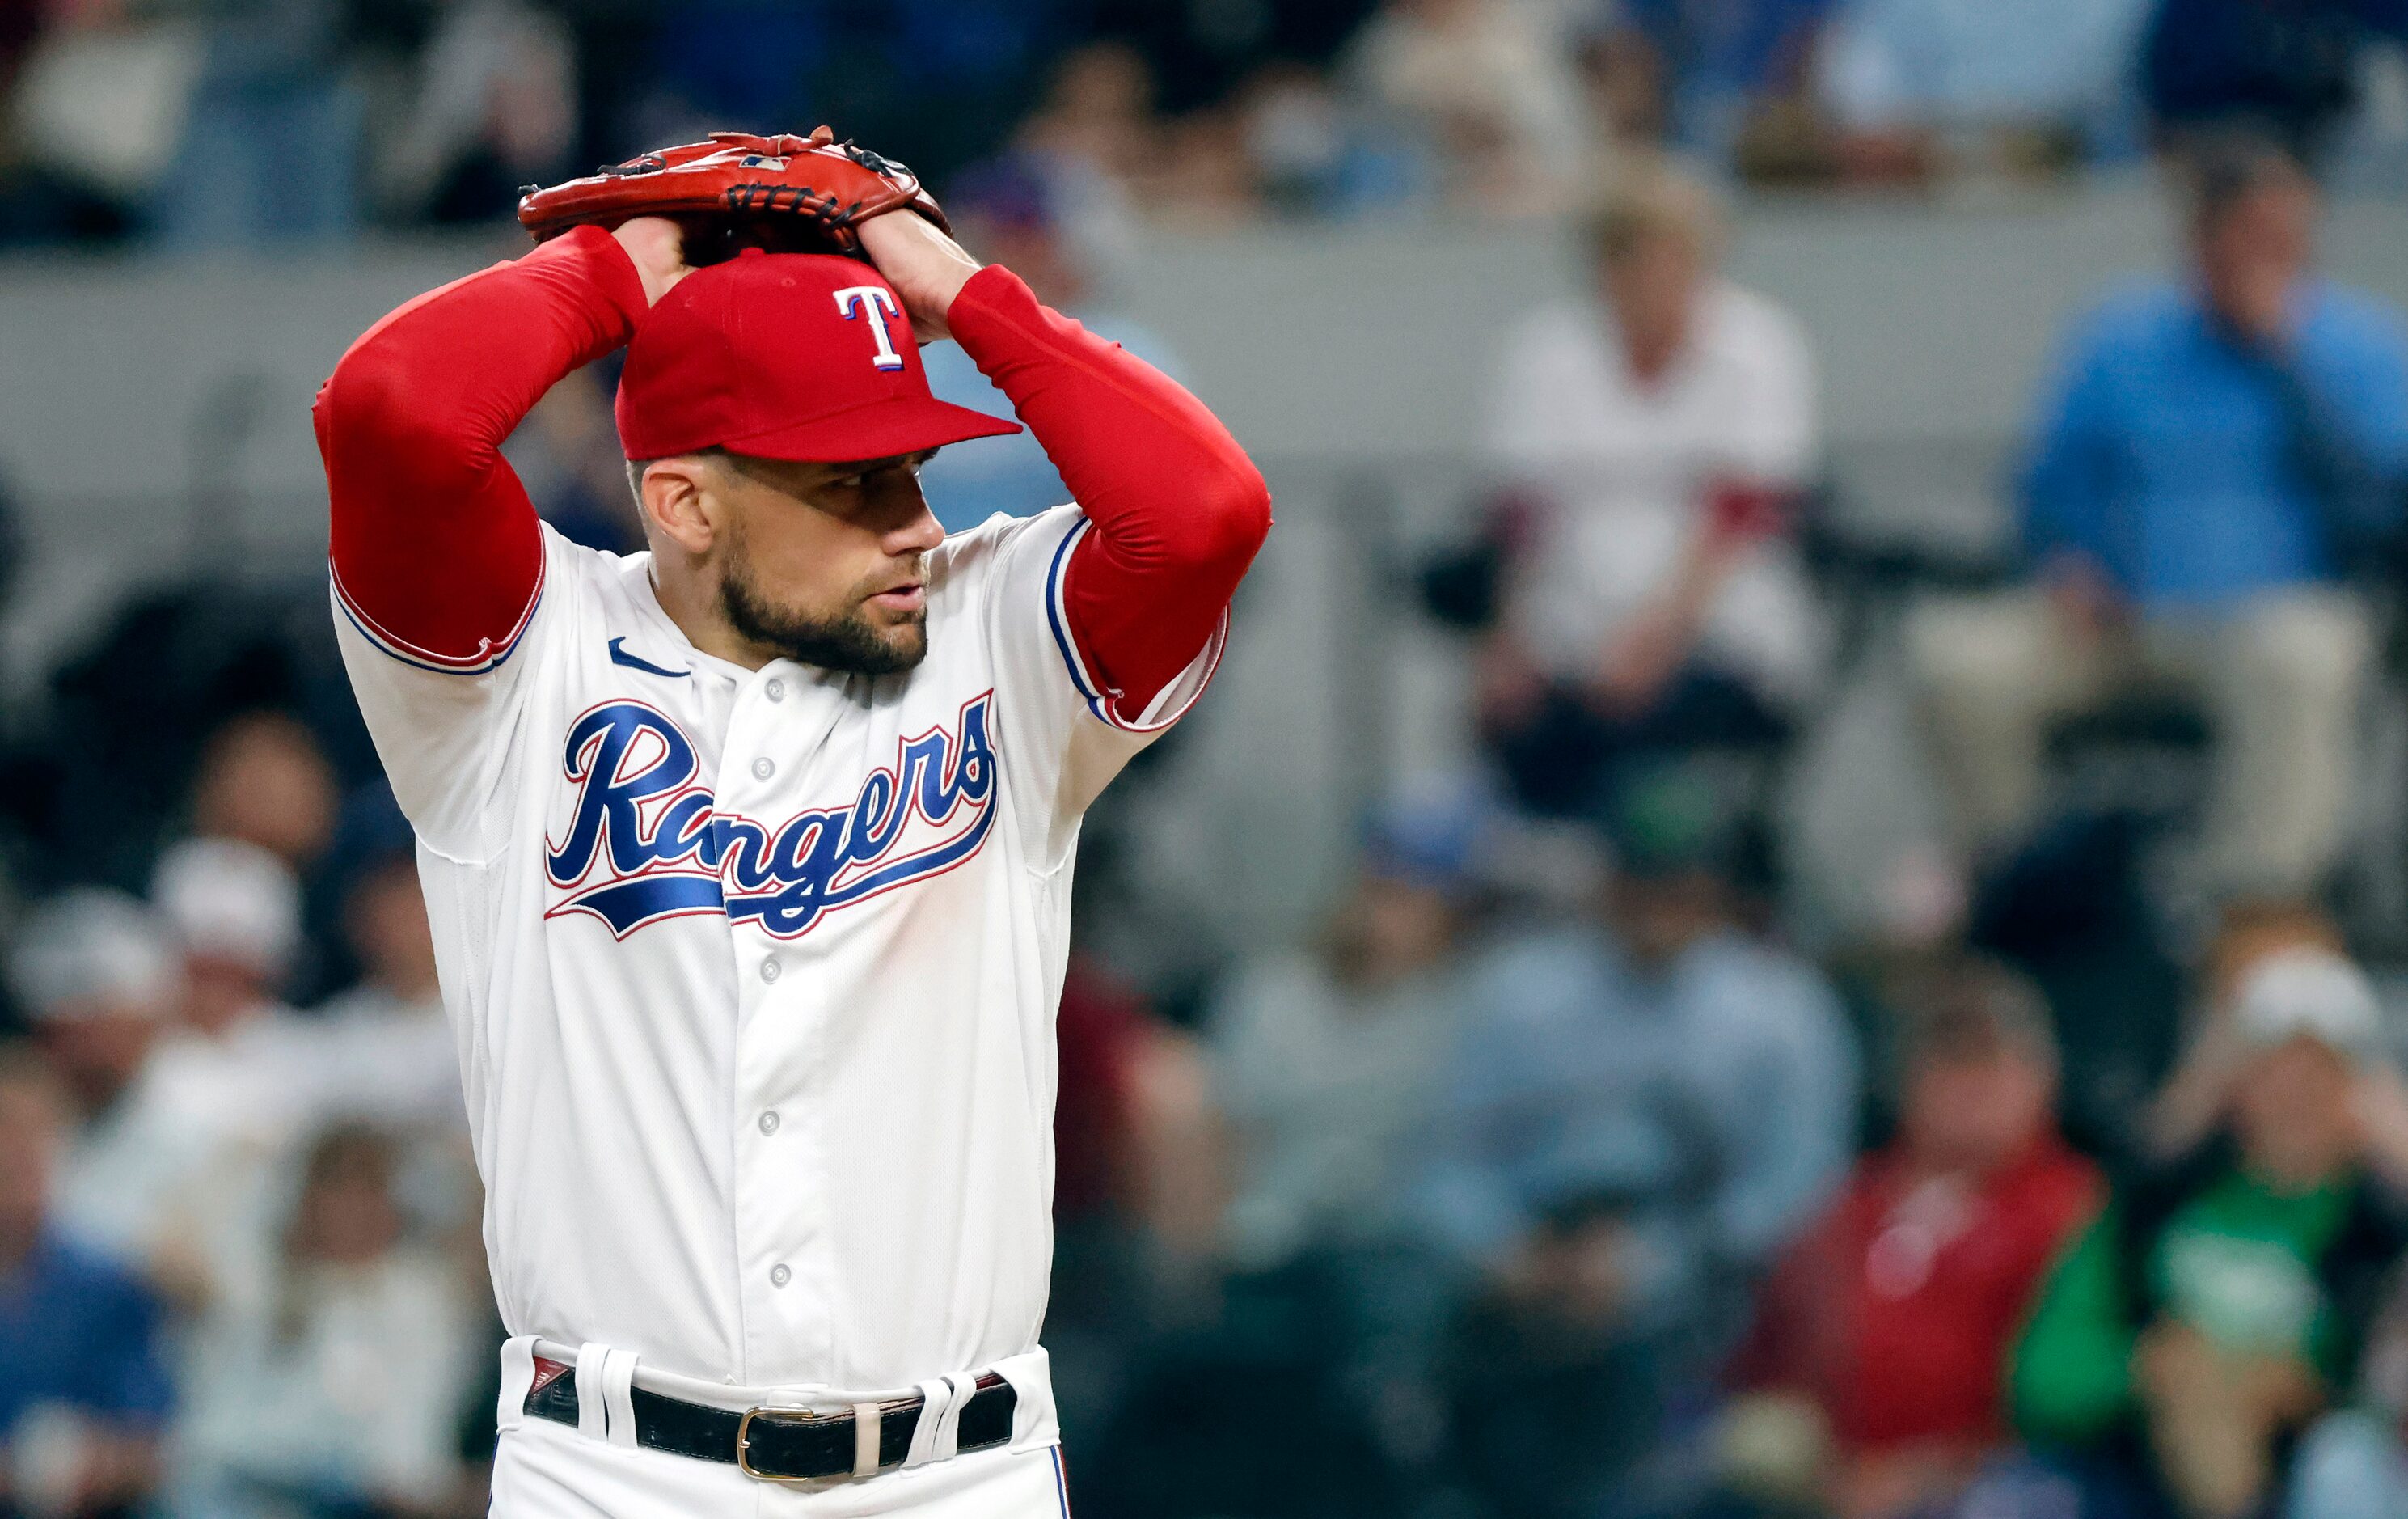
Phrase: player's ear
(675, 496)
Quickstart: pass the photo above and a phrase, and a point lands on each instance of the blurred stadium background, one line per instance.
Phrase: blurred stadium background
(1793, 896)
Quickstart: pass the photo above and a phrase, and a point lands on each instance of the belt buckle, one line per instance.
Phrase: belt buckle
(744, 1437)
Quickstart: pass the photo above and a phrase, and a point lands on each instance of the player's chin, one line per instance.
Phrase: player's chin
(904, 636)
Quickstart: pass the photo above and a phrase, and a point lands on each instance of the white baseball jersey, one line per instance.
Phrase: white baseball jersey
(753, 973)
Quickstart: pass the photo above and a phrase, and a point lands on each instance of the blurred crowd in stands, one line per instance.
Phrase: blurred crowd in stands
(216, 124)
(1558, 1174)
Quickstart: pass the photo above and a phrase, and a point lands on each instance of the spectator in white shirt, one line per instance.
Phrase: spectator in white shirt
(390, 1058)
(1491, 88)
(352, 1325)
(243, 1075)
(1654, 437)
(100, 985)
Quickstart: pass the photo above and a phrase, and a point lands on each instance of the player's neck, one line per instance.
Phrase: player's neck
(697, 615)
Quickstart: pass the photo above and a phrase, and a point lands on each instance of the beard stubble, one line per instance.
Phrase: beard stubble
(848, 642)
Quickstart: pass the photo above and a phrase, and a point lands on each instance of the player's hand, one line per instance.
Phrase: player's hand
(927, 267)
(657, 246)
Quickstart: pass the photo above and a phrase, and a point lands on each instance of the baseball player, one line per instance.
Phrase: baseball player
(749, 857)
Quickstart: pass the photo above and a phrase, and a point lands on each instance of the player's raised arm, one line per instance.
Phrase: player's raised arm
(1179, 510)
(435, 546)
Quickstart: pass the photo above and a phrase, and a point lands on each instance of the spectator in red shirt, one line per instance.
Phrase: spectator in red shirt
(1136, 1191)
(1876, 1367)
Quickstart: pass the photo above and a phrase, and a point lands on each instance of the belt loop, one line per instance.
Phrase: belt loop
(593, 1416)
(618, 1395)
(945, 1440)
(866, 1417)
(518, 1381)
(936, 1397)
(949, 1428)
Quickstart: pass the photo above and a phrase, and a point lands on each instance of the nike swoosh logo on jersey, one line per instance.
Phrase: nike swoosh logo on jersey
(620, 657)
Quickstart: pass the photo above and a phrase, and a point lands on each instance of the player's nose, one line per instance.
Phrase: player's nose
(916, 529)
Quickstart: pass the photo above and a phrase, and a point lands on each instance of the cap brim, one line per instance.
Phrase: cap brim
(880, 430)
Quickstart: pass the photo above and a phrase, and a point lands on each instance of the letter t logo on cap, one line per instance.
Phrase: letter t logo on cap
(854, 299)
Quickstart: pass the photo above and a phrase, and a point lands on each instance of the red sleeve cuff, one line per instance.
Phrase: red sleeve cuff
(995, 306)
(600, 258)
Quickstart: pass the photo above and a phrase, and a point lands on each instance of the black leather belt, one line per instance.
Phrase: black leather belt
(778, 1444)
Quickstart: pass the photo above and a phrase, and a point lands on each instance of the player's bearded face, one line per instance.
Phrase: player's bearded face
(849, 638)
(842, 587)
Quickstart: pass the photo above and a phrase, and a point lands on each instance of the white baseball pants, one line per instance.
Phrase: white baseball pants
(545, 1470)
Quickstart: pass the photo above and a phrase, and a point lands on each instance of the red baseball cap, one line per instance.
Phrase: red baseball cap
(784, 357)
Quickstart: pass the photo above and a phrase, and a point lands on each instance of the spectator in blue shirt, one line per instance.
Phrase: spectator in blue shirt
(2208, 458)
(1907, 81)
(82, 1391)
(1644, 1109)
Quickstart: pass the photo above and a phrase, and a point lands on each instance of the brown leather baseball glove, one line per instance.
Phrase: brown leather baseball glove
(784, 194)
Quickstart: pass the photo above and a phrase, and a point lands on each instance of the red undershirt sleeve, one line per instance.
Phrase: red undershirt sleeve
(435, 549)
(1178, 508)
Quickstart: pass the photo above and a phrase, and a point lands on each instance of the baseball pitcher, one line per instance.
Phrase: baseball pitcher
(749, 857)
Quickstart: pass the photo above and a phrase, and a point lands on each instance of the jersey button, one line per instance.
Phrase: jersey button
(780, 1276)
(775, 690)
(764, 768)
(769, 969)
(769, 1121)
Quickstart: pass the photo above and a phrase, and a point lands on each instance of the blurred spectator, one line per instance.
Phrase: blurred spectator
(1914, 84)
(2300, 952)
(1643, 1111)
(350, 1321)
(235, 910)
(2208, 456)
(1134, 1127)
(1206, 175)
(114, 766)
(1491, 91)
(99, 88)
(1329, 1063)
(1087, 148)
(2219, 1303)
(1325, 1065)
(2353, 1463)
(1136, 1192)
(100, 986)
(726, 63)
(272, 146)
(1695, 71)
(2290, 70)
(569, 454)
(2351, 1466)
(82, 1391)
(1097, 114)
(1024, 212)
(1653, 600)
(1315, 154)
(263, 780)
(495, 108)
(95, 979)
(1888, 1325)
(391, 1055)
(243, 1080)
